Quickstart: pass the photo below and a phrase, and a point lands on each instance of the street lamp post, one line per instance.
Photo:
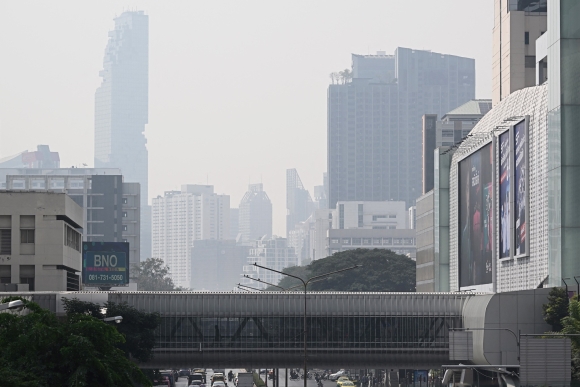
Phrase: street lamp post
(305, 284)
(116, 319)
(264, 282)
(12, 305)
(249, 287)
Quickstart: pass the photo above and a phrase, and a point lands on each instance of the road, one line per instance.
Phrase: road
(182, 382)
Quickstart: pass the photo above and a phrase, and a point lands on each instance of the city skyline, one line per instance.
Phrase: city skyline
(295, 77)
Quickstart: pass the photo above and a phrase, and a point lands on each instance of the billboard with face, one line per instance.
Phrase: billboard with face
(476, 218)
(504, 196)
(520, 189)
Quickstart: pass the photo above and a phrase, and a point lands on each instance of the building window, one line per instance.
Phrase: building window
(124, 227)
(57, 183)
(27, 276)
(38, 184)
(527, 37)
(18, 184)
(5, 274)
(125, 240)
(124, 214)
(341, 216)
(27, 236)
(360, 215)
(72, 238)
(377, 217)
(6, 241)
(124, 200)
(76, 184)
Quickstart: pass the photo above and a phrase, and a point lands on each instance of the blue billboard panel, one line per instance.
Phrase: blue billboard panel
(521, 189)
(505, 235)
(105, 263)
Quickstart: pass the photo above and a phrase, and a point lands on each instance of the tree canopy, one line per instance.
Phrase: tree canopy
(38, 349)
(382, 271)
(556, 308)
(138, 327)
(153, 275)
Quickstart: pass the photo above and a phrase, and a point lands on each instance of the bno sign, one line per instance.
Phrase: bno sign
(105, 264)
(106, 260)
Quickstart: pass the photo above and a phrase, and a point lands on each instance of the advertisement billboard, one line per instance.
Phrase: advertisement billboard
(505, 234)
(105, 263)
(521, 189)
(476, 229)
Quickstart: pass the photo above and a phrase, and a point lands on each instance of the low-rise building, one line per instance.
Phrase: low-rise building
(401, 241)
(111, 207)
(40, 240)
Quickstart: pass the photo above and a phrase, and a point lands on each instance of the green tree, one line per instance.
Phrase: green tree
(571, 326)
(556, 308)
(138, 327)
(381, 271)
(153, 275)
(80, 351)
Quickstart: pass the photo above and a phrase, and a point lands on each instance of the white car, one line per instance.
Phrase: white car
(337, 375)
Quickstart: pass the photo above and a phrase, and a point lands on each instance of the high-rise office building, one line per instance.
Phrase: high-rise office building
(217, 265)
(450, 130)
(234, 223)
(181, 217)
(298, 201)
(121, 108)
(517, 25)
(255, 220)
(374, 121)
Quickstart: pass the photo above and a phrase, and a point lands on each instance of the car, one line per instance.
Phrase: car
(344, 383)
(184, 372)
(195, 383)
(337, 375)
(219, 384)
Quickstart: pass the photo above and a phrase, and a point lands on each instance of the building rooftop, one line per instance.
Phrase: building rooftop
(471, 108)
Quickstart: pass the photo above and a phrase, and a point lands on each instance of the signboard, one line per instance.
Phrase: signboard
(505, 235)
(521, 189)
(476, 218)
(105, 263)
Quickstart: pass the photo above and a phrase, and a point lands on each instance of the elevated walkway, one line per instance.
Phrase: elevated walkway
(370, 330)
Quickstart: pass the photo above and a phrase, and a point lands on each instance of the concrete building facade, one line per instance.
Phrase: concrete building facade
(41, 158)
(374, 121)
(273, 253)
(217, 265)
(40, 240)
(386, 215)
(450, 130)
(111, 207)
(299, 204)
(401, 241)
(182, 217)
(255, 209)
(517, 25)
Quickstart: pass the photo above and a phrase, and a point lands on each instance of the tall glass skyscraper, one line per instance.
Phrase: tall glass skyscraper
(374, 121)
(121, 108)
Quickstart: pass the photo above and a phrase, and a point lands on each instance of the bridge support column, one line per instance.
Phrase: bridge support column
(393, 378)
(286, 376)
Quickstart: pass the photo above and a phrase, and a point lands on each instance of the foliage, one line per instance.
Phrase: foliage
(153, 275)
(79, 351)
(381, 271)
(571, 326)
(288, 282)
(556, 308)
(138, 328)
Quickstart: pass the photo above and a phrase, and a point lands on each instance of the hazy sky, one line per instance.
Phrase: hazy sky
(237, 89)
